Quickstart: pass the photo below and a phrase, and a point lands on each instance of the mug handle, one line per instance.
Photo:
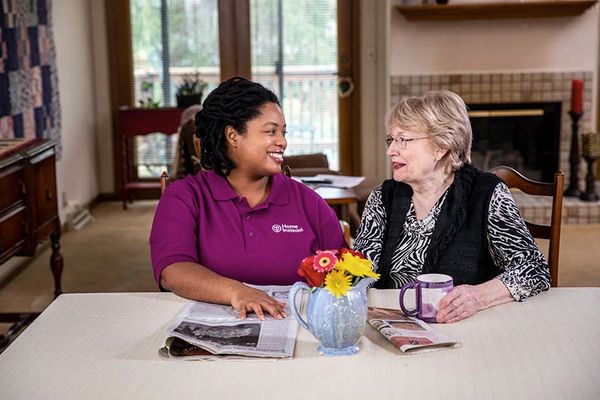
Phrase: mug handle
(409, 313)
(298, 287)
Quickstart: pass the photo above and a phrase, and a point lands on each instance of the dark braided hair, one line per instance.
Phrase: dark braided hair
(233, 103)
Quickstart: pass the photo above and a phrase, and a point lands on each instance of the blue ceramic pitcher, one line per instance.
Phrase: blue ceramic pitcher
(337, 323)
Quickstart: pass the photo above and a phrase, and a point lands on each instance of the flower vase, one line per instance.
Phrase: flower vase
(336, 322)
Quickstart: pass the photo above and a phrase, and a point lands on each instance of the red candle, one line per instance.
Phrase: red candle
(577, 96)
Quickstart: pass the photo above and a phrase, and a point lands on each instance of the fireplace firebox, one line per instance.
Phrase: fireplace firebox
(525, 136)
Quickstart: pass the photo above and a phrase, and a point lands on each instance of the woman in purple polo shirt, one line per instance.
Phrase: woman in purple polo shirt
(239, 220)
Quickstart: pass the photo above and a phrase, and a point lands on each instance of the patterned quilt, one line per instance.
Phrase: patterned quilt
(29, 102)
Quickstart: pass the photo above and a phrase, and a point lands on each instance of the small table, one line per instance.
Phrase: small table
(105, 346)
(336, 196)
(342, 200)
(138, 122)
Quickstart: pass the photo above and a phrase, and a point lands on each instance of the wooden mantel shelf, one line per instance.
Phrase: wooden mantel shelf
(499, 10)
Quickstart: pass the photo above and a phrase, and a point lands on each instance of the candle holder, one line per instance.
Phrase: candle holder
(573, 189)
(590, 147)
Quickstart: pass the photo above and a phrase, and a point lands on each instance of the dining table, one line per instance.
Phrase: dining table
(105, 346)
(343, 200)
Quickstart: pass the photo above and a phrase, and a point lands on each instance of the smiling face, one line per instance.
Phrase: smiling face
(415, 164)
(259, 151)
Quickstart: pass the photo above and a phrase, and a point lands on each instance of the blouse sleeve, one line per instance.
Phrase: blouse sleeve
(369, 236)
(524, 270)
(174, 233)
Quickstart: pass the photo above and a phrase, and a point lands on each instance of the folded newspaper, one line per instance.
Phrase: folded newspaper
(208, 331)
(410, 335)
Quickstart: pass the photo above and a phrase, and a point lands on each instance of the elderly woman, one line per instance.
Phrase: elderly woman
(440, 214)
(239, 220)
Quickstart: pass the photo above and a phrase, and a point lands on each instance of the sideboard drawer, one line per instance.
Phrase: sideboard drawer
(13, 187)
(28, 203)
(45, 201)
(12, 229)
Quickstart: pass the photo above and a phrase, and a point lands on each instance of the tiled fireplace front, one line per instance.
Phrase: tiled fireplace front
(509, 88)
(535, 87)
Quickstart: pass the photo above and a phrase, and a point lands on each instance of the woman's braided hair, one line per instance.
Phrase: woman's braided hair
(233, 103)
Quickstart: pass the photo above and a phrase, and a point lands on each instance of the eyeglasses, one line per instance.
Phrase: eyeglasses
(401, 142)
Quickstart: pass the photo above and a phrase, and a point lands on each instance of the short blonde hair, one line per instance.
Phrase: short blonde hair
(442, 115)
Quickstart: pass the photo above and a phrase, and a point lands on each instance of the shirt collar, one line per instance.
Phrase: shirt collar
(279, 190)
(219, 187)
(222, 191)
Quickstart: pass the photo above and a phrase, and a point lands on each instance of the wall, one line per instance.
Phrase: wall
(76, 171)
(104, 139)
(566, 44)
(374, 87)
(569, 43)
(514, 45)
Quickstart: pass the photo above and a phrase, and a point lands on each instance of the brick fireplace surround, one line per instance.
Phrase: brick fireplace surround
(514, 87)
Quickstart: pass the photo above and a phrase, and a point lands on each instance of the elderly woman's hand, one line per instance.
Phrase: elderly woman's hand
(465, 300)
(460, 303)
(246, 299)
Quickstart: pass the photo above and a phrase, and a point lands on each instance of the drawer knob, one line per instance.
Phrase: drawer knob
(23, 187)
(49, 195)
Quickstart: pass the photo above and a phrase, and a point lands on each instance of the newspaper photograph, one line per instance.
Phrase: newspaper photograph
(205, 330)
(408, 334)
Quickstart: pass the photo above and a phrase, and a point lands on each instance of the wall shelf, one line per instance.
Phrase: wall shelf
(499, 10)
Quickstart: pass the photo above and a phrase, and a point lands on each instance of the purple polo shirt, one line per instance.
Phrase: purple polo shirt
(201, 219)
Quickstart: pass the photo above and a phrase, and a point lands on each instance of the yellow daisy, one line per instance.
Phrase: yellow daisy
(338, 283)
(356, 266)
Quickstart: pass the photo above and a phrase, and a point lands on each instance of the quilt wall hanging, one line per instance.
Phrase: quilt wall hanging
(29, 101)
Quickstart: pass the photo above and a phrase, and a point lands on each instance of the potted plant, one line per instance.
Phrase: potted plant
(190, 90)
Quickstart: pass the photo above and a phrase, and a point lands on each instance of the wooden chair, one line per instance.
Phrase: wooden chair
(514, 179)
(164, 182)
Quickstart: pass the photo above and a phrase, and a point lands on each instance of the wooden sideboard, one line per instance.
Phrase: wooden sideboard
(28, 204)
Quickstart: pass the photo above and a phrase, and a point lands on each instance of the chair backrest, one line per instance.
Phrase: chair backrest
(514, 179)
(309, 164)
(164, 182)
(188, 148)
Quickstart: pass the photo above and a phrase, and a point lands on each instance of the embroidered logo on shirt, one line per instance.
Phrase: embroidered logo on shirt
(287, 228)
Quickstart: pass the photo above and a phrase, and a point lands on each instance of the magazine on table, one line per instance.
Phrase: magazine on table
(205, 331)
(408, 334)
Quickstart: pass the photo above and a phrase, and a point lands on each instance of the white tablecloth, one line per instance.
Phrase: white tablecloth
(105, 346)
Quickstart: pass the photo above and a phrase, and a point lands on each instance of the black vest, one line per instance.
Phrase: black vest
(459, 245)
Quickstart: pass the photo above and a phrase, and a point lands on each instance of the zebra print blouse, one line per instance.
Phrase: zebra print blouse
(524, 270)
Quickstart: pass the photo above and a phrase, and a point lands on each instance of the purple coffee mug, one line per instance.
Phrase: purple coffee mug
(429, 290)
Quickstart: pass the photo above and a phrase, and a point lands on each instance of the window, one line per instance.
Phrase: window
(294, 53)
(192, 41)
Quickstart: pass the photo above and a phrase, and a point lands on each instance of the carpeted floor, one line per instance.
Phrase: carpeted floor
(112, 255)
